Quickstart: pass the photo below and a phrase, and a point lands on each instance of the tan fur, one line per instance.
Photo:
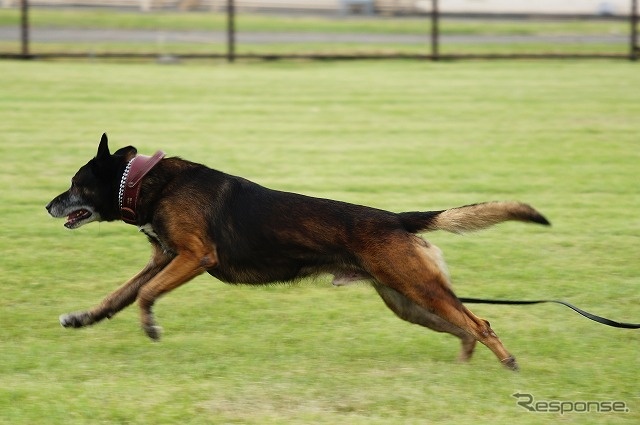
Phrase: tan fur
(480, 216)
(420, 292)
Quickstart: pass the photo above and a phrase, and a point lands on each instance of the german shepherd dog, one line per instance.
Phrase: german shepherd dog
(201, 220)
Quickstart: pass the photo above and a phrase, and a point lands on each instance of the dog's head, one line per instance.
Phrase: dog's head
(93, 195)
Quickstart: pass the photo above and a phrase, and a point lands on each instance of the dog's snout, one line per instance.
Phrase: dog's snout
(48, 207)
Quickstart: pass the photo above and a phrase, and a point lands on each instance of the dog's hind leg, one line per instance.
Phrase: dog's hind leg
(185, 266)
(408, 310)
(412, 267)
(121, 297)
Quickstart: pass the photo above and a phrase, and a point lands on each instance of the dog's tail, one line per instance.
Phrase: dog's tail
(470, 217)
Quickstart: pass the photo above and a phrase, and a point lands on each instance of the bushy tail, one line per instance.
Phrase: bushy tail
(470, 217)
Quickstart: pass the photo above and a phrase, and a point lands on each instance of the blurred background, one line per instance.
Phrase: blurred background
(401, 135)
(171, 29)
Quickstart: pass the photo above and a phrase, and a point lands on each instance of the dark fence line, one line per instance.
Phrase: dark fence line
(231, 55)
(634, 47)
(24, 27)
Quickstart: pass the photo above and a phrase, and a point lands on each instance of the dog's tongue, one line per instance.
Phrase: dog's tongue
(76, 216)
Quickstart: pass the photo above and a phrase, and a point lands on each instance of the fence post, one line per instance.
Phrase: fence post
(434, 30)
(24, 28)
(633, 52)
(231, 31)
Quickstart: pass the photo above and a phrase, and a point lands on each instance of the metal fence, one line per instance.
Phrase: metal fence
(432, 43)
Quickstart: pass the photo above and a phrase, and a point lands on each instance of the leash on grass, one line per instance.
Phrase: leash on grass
(586, 314)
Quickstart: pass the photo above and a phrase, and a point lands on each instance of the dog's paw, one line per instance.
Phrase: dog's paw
(510, 363)
(153, 331)
(76, 320)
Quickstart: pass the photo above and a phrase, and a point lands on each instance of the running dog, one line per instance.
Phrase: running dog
(201, 220)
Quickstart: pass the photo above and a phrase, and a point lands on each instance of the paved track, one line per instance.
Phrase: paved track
(170, 36)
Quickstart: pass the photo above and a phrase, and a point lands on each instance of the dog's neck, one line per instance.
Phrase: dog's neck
(134, 172)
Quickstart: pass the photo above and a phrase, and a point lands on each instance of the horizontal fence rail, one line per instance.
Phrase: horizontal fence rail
(432, 43)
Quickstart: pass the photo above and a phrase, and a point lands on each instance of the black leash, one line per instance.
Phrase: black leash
(588, 315)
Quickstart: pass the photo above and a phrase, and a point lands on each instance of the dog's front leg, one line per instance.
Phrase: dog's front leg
(120, 298)
(183, 268)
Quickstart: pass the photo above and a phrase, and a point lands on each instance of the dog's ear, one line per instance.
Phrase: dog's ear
(103, 148)
(104, 155)
(128, 152)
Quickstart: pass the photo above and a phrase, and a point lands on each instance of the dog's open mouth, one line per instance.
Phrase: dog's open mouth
(76, 217)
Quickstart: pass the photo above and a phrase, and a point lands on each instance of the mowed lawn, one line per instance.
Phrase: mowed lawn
(563, 136)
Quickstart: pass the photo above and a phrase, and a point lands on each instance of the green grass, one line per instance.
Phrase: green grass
(397, 135)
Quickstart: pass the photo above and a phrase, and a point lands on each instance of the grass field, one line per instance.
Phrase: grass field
(405, 135)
